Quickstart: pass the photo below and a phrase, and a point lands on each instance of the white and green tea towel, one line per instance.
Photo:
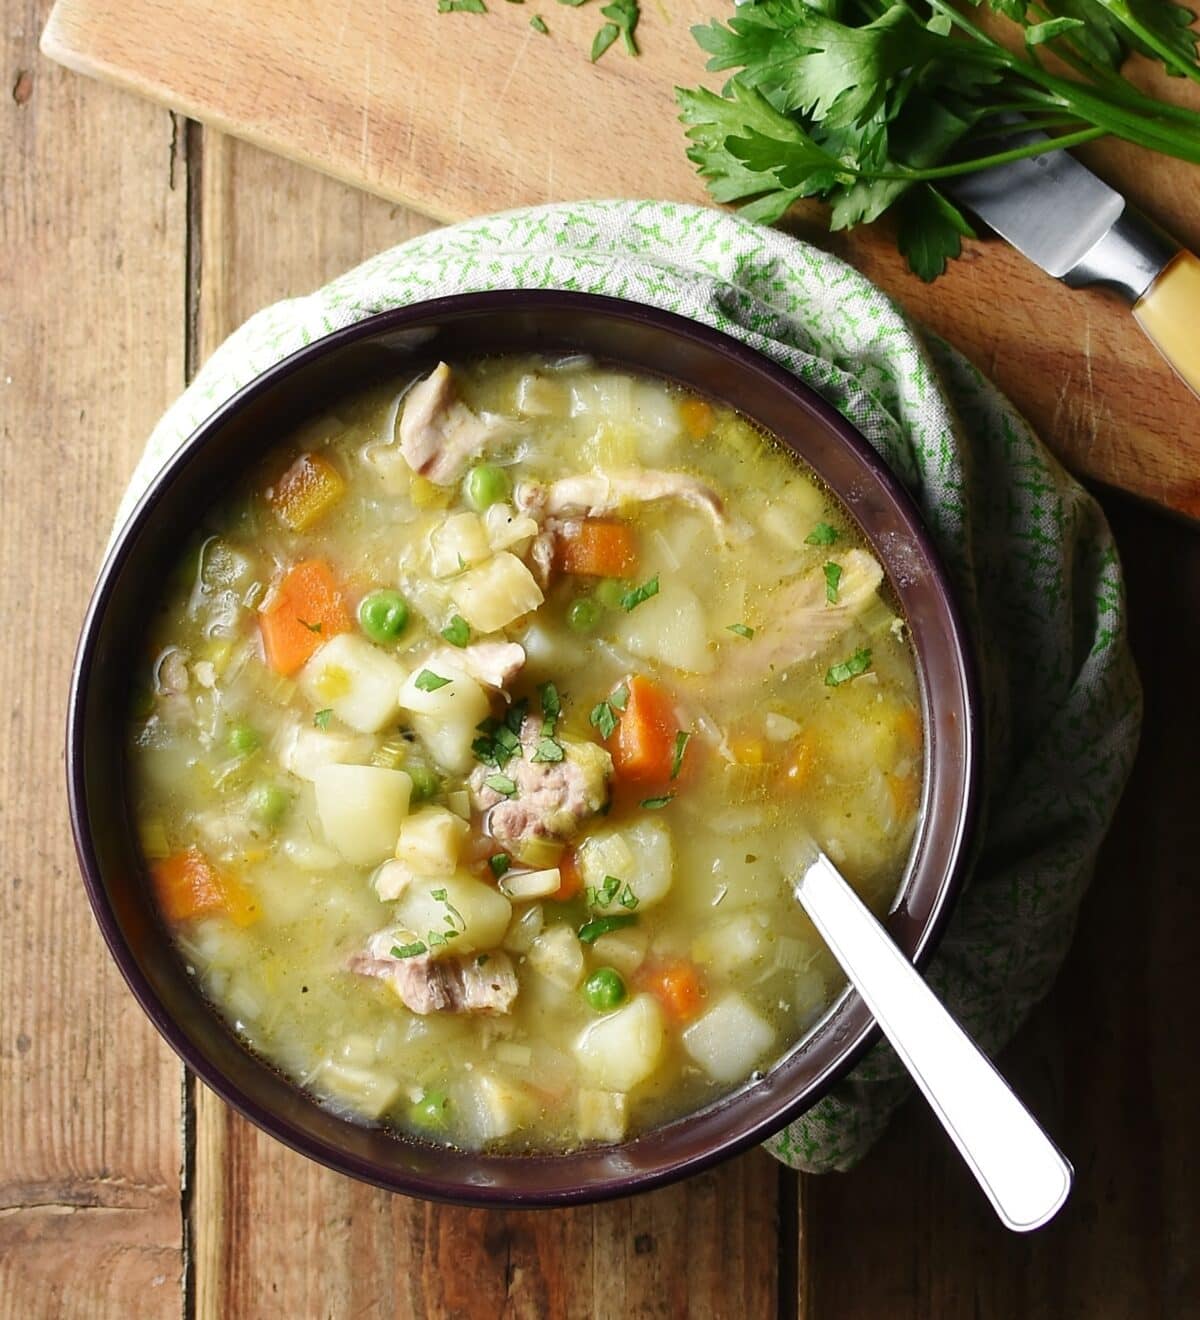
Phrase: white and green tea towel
(1029, 551)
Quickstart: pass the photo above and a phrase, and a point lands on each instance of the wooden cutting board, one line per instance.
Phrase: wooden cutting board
(459, 114)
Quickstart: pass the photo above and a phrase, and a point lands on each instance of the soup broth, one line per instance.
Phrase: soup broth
(481, 730)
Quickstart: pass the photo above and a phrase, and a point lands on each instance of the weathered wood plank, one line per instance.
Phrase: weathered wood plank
(262, 1215)
(92, 231)
(1106, 1062)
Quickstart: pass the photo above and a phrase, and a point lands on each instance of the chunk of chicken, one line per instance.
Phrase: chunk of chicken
(803, 622)
(599, 493)
(552, 798)
(439, 434)
(492, 664)
(481, 983)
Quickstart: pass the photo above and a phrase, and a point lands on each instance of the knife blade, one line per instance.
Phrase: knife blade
(1056, 212)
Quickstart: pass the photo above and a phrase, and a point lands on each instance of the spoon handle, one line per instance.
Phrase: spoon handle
(1026, 1177)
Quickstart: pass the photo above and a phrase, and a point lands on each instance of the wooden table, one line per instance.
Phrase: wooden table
(131, 242)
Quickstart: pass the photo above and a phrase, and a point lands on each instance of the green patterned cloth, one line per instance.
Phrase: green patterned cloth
(1029, 551)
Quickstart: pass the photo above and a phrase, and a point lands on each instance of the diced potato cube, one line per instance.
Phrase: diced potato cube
(445, 718)
(491, 596)
(391, 880)
(624, 1048)
(362, 808)
(601, 1115)
(525, 929)
(501, 1105)
(370, 1092)
(733, 943)
(640, 856)
(521, 886)
(458, 543)
(557, 955)
(307, 491)
(430, 841)
(357, 681)
(623, 949)
(729, 1039)
(477, 912)
(671, 627)
(304, 749)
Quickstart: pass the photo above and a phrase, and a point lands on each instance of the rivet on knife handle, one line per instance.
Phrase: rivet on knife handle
(1169, 313)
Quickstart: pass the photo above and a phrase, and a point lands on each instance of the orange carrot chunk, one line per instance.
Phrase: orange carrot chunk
(187, 886)
(676, 984)
(570, 880)
(697, 417)
(643, 743)
(597, 547)
(306, 491)
(307, 609)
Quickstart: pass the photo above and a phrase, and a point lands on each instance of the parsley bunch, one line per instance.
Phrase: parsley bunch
(867, 104)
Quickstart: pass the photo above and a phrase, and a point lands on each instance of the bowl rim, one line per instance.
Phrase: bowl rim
(865, 1031)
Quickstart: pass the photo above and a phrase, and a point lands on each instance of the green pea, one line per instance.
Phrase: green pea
(269, 803)
(383, 615)
(242, 738)
(425, 783)
(604, 989)
(486, 485)
(609, 592)
(584, 614)
(431, 1110)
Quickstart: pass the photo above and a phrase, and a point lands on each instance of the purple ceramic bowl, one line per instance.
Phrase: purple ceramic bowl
(413, 338)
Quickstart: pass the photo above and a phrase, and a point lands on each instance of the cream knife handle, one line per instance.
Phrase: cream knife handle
(1169, 314)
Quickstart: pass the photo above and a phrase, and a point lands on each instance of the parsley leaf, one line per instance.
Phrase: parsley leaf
(458, 631)
(602, 718)
(428, 681)
(412, 950)
(502, 784)
(833, 578)
(499, 862)
(461, 7)
(547, 750)
(822, 534)
(741, 629)
(632, 599)
(657, 803)
(312, 627)
(618, 698)
(322, 717)
(603, 39)
(844, 671)
(539, 24)
(682, 738)
(591, 931)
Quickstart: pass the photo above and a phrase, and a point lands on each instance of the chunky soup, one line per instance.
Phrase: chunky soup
(480, 732)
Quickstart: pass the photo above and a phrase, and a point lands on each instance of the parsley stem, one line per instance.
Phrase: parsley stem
(984, 162)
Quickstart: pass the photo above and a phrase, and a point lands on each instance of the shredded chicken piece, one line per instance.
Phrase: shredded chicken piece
(541, 555)
(473, 984)
(803, 622)
(493, 664)
(598, 493)
(553, 798)
(439, 434)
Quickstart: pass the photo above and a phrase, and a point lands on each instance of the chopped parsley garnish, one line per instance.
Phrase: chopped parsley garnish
(657, 803)
(499, 862)
(833, 578)
(428, 681)
(603, 718)
(312, 627)
(322, 717)
(453, 915)
(515, 715)
(538, 23)
(458, 631)
(822, 534)
(502, 784)
(602, 895)
(461, 7)
(632, 599)
(845, 670)
(483, 960)
(409, 950)
(619, 697)
(603, 39)
(497, 744)
(682, 738)
(551, 706)
(741, 629)
(591, 931)
(547, 750)
(628, 898)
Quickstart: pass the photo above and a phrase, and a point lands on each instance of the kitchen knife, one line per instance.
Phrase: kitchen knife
(1075, 227)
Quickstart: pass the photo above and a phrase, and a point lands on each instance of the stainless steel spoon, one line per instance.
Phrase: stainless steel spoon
(1026, 1177)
